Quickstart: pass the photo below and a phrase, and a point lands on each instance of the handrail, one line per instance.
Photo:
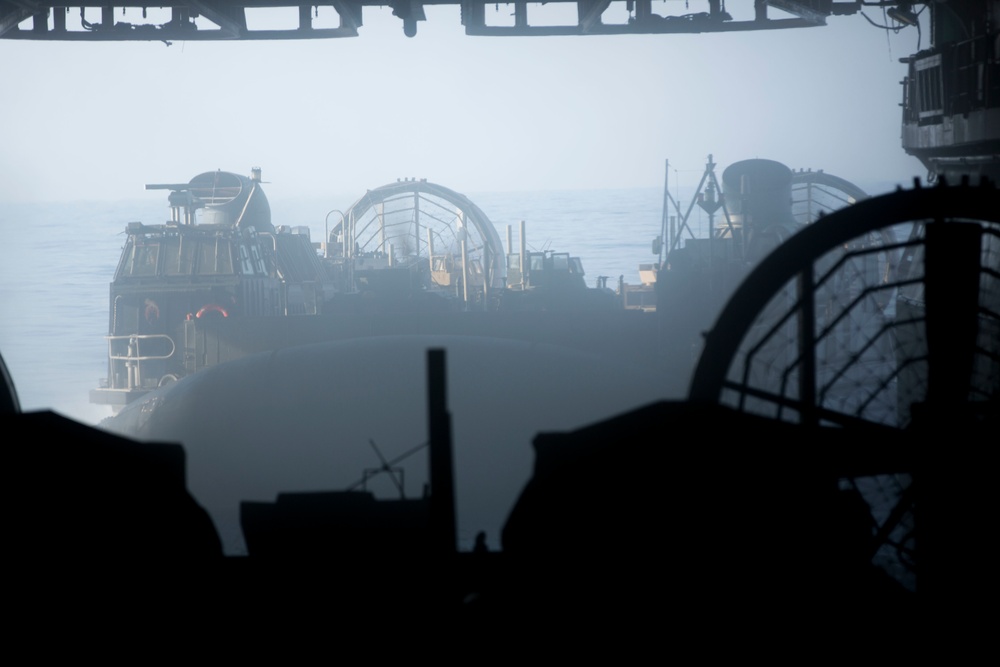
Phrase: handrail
(132, 359)
(136, 338)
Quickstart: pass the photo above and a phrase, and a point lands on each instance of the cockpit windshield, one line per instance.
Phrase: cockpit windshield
(176, 255)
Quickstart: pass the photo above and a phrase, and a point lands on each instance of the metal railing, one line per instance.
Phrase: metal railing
(128, 366)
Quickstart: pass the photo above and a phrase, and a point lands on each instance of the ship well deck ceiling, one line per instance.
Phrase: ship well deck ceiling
(188, 20)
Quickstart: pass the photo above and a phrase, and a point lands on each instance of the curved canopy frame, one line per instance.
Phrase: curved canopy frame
(816, 336)
(412, 220)
(817, 193)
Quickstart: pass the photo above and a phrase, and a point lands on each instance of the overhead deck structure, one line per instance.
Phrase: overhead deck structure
(138, 20)
(951, 96)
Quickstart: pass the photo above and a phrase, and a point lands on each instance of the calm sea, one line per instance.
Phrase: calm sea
(57, 261)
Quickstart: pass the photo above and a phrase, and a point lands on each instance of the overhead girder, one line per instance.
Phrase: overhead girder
(12, 13)
(230, 19)
(229, 22)
(810, 10)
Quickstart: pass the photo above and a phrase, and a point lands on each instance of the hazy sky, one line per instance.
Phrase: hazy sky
(477, 114)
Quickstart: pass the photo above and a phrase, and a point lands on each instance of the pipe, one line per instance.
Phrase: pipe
(381, 226)
(465, 270)
(430, 252)
(416, 222)
(326, 231)
(666, 210)
(524, 251)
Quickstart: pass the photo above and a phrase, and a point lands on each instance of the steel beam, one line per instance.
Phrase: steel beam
(230, 18)
(589, 12)
(652, 27)
(350, 15)
(9, 18)
(30, 5)
(803, 9)
(170, 34)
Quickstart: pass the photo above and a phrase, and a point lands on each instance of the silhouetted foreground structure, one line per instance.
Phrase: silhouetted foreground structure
(611, 518)
(773, 493)
(85, 496)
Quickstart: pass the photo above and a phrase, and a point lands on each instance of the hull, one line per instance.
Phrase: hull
(626, 337)
(316, 416)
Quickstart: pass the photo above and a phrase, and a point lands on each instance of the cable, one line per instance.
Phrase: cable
(883, 27)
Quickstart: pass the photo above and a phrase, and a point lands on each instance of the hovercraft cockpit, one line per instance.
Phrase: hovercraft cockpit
(217, 257)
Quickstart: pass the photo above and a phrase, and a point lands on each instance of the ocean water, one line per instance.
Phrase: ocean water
(57, 261)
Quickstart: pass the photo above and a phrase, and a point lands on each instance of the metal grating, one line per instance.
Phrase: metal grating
(844, 335)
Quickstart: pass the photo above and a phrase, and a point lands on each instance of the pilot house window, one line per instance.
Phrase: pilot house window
(142, 260)
(930, 95)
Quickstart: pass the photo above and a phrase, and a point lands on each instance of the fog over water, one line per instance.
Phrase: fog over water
(88, 124)
(328, 119)
(57, 267)
(569, 134)
(54, 296)
(98, 120)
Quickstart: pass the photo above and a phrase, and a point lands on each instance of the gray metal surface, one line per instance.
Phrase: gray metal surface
(189, 20)
(821, 332)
